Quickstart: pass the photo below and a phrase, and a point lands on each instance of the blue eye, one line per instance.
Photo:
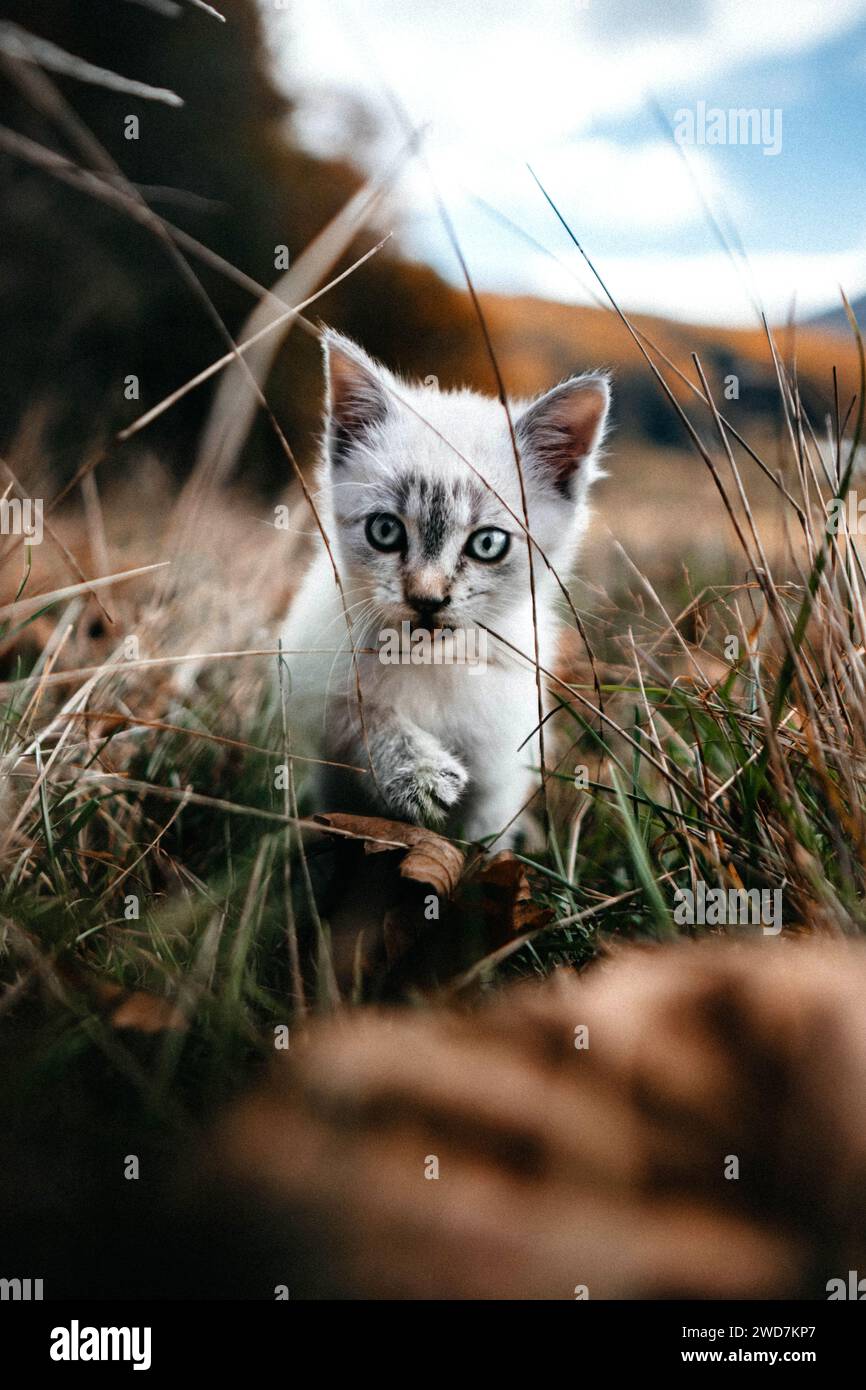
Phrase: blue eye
(385, 532)
(488, 544)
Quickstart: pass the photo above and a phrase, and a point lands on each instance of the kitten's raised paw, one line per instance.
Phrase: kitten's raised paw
(425, 789)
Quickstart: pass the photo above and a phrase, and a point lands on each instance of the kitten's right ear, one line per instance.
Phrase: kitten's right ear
(355, 399)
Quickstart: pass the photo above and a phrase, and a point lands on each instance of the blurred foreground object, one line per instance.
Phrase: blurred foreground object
(586, 1133)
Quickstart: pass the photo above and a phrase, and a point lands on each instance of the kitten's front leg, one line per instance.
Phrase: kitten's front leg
(418, 778)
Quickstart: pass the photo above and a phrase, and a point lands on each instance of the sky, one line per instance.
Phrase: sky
(622, 109)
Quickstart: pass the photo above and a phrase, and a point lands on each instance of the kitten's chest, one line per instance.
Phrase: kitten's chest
(470, 709)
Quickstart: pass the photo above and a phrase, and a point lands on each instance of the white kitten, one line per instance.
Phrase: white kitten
(421, 542)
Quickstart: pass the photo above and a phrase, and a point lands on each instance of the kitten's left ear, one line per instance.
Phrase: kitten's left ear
(561, 431)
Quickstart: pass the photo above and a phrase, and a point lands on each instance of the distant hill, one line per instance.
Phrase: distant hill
(836, 320)
(540, 341)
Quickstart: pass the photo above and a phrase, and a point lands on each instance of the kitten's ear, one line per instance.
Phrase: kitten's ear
(355, 399)
(561, 431)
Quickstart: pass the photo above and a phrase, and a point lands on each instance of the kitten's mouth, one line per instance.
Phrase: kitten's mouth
(433, 622)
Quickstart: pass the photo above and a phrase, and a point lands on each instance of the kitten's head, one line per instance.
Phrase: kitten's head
(424, 493)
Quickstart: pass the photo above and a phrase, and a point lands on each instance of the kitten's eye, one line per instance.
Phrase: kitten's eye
(385, 532)
(488, 544)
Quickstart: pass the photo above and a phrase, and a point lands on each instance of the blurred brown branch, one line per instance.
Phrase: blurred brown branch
(561, 1165)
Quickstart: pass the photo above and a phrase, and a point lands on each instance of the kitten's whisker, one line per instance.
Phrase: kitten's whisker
(376, 616)
(349, 649)
(350, 608)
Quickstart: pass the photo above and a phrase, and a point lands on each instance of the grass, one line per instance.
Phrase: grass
(147, 847)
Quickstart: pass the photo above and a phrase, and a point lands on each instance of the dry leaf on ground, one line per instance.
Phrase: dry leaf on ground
(429, 857)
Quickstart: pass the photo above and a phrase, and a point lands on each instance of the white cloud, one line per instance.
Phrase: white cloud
(707, 288)
(540, 70)
(644, 187)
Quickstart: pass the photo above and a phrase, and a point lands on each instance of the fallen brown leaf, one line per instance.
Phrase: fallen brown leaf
(136, 1009)
(429, 858)
(147, 1013)
(383, 924)
(506, 898)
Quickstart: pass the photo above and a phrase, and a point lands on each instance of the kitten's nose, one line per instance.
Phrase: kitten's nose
(426, 604)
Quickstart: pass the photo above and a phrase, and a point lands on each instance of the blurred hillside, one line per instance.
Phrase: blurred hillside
(541, 341)
(88, 298)
(836, 320)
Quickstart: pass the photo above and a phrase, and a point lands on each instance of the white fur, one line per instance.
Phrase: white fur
(441, 736)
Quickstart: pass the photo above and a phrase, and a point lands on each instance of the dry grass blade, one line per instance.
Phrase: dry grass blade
(18, 44)
(120, 782)
(169, 9)
(21, 607)
(282, 320)
(207, 9)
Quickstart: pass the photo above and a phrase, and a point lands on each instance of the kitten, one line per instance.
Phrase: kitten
(422, 543)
